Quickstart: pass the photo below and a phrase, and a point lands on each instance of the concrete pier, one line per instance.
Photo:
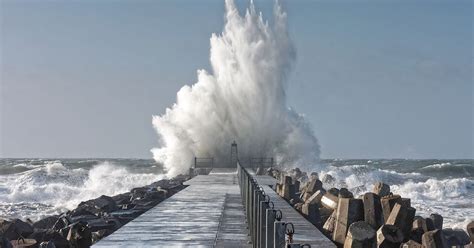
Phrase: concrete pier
(208, 213)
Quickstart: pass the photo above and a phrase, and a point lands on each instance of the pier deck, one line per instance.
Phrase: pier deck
(208, 213)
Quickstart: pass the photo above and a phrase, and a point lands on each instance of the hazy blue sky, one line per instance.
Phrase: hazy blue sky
(376, 78)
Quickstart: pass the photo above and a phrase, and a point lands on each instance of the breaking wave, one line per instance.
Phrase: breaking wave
(242, 99)
(54, 188)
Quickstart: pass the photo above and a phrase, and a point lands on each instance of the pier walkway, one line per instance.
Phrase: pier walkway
(208, 213)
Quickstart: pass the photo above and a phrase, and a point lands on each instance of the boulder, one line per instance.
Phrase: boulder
(360, 234)
(389, 236)
(456, 237)
(79, 235)
(101, 204)
(122, 199)
(42, 235)
(4, 242)
(98, 235)
(381, 189)
(14, 229)
(46, 223)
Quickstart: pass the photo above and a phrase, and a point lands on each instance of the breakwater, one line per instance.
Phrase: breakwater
(374, 219)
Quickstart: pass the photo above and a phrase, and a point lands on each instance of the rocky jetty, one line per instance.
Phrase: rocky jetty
(375, 219)
(90, 221)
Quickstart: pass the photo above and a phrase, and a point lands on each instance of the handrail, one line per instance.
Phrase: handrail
(265, 226)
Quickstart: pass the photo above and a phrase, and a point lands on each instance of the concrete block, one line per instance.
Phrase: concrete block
(434, 239)
(406, 202)
(437, 221)
(348, 212)
(372, 210)
(286, 180)
(330, 223)
(470, 230)
(315, 198)
(419, 223)
(311, 212)
(411, 244)
(286, 191)
(381, 189)
(360, 234)
(329, 200)
(314, 185)
(389, 236)
(402, 217)
(345, 193)
(387, 203)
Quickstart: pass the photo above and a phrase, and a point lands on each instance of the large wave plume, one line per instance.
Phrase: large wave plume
(242, 99)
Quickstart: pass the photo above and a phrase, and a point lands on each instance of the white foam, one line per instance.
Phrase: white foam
(61, 188)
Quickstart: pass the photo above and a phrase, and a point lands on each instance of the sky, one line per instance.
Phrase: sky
(376, 79)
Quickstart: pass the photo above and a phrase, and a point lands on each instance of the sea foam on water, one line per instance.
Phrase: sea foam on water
(243, 98)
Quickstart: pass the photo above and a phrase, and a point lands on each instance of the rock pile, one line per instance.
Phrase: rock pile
(375, 219)
(91, 220)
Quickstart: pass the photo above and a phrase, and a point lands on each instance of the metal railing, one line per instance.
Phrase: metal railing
(266, 230)
(203, 162)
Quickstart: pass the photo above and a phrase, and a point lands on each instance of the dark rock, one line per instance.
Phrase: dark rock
(14, 229)
(122, 198)
(46, 223)
(126, 213)
(99, 205)
(47, 244)
(4, 242)
(101, 223)
(456, 237)
(98, 235)
(50, 235)
(79, 235)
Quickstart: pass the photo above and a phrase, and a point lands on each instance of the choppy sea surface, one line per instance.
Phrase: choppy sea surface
(35, 188)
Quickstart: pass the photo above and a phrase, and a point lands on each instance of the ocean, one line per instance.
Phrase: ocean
(35, 188)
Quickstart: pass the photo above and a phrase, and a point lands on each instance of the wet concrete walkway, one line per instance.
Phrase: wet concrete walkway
(208, 213)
